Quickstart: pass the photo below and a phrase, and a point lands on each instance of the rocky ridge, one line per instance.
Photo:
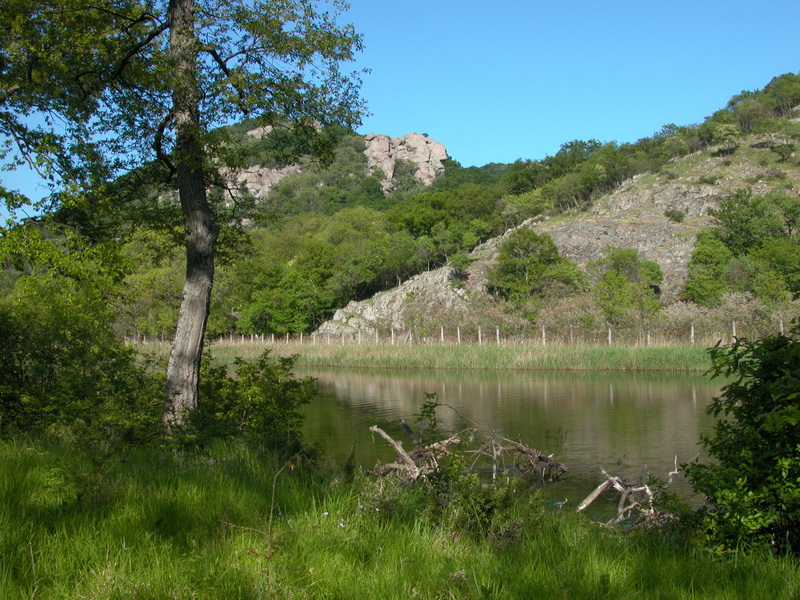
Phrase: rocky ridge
(632, 216)
(381, 151)
(384, 152)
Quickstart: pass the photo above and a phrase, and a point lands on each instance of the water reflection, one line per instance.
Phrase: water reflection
(619, 421)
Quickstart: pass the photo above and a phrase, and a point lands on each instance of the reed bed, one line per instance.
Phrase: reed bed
(233, 522)
(668, 358)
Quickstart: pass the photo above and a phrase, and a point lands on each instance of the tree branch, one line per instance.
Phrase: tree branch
(134, 50)
(159, 148)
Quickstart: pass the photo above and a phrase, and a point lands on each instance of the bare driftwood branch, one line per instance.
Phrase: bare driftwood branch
(422, 461)
(635, 501)
(419, 462)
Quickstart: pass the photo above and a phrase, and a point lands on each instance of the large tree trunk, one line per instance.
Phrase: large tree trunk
(183, 370)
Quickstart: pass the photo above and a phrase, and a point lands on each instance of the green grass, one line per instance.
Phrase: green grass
(674, 358)
(234, 523)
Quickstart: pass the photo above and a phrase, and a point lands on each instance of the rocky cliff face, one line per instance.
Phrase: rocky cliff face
(382, 151)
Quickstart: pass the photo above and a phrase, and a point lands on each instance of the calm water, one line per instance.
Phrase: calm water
(585, 420)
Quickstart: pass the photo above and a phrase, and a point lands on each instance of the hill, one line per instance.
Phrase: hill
(309, 248)
(656, 213)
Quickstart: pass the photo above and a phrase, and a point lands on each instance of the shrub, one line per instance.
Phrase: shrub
(674, 215)
(262, 402)
(753, 487)
(63, 371)
(708, 179)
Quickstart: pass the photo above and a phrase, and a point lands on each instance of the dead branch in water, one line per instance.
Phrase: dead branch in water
(420, 462)
(534, 465)
(410, 466)
(636, 502)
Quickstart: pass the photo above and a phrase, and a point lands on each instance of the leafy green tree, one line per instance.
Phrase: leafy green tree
(751, 484)
(705, 283)
(744, 221)
(726, 136)
(530, 266)
(626, 286)
(63, 370)
(111, 80)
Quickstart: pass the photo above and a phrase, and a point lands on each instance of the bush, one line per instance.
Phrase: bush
(262, 401)
(63, 371)
(753, 487)
(674, 215)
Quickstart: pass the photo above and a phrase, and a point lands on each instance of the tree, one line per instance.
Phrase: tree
(120, 81)
(626, 285)
(745, 221)
(529, 265)
(705, 284)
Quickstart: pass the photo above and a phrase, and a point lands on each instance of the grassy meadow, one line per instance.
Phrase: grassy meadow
(669, 358)
(232, 522)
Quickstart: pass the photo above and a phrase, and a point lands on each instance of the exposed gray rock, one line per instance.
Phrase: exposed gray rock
(383, 152)
(258, 180)
(390, 309)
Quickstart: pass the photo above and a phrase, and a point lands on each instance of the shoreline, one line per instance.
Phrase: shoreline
(583, 358)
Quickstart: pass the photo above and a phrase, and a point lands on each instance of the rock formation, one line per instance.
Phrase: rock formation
(427, 293)
(381, 151)
(384, 152)
(632, 216)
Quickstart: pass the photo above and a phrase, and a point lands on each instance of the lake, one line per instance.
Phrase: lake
(587, 420)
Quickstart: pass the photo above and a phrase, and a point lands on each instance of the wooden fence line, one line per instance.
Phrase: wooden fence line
(572, 335)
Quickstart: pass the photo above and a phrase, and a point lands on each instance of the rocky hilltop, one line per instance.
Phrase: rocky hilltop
(632, 216)
(426, 156)
(384, 152)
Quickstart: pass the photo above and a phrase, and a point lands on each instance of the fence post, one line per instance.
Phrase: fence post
(480, 341)
(609, 335)
(273, 338)
(441, 333)
(733, 328)
(458, 334)
(392, 336)
(301, 338)
(691, 332)
(781, 326)
(544, 336)
(359, 337)
(376, 337)
(497, 335)
(314, 339)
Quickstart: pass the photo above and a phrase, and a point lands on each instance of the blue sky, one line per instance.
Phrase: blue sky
(497, 81)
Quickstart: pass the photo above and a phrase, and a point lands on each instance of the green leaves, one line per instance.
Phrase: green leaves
(626, 286)
(753, 485)
(261, 402)
(530, 266)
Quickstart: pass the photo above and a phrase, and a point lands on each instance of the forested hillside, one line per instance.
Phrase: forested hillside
(624, 219)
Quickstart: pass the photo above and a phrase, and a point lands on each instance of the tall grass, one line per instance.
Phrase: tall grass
(233, 522)
(676, 358)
